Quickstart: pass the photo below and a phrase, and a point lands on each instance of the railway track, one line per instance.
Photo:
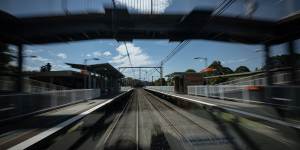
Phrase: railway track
(190, 142)
(111, 140)
(145, 121)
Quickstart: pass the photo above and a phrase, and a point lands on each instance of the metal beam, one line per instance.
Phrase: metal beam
(20, 80)
(175, 27)
(268, 66)
(292, 62)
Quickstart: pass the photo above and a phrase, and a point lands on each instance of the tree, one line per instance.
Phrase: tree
(216, 65)
(46, 68)
(219, 68)
(227, 70)
(190, 70)
(241, 69)
(170, 81)
(158, 83)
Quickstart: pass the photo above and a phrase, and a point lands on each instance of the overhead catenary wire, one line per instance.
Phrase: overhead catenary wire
(222, 7)
(173, 52)
(129, 59)
(218, 11)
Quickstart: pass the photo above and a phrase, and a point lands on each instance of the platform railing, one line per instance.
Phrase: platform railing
(125, 88)
(278, 79)
(277, 95)
(266, 94)
(19, 104)
(167, 89)
(30, 86)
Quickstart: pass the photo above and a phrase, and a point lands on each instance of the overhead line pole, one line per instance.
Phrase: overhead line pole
(155, 68)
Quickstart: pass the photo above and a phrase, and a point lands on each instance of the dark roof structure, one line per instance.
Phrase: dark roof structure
(120, 25)
(64, 73)
(104, 68)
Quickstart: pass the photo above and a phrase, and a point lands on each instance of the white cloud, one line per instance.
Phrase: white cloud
(41, 59)
(88, 55)
(111, 44)
(62, 55)
(29, 51)
(97, 54)
(13, 63)
(31, 68)
(32, 50)
(138, 57)
(106, 53)
(56, 67)
(12, 48)
(158, 6)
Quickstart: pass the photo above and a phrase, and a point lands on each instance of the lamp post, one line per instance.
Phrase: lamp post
(20, 57)
(87, 84)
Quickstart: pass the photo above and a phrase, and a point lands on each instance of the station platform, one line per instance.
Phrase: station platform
(261, 111)
(17, 131)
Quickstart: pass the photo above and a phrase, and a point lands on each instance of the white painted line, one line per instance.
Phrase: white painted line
(281, 99)
(265, 118)
(185, 98)
(276, 121)
(137, 126)
(29, 142)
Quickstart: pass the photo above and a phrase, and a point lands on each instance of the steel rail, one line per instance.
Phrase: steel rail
(188, 118)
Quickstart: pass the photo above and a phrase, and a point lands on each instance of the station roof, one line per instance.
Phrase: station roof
(63, 73)
(104, 68)
(120, 25)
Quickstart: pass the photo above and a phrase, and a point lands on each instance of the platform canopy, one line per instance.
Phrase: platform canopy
(120, 25)
(102, 69)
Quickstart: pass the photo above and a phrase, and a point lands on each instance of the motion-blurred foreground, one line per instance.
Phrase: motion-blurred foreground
(63, 87)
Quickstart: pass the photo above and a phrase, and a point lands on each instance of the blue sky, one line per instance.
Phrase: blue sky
(147, 52)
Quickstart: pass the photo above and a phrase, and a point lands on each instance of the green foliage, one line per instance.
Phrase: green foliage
(170, 82)
(219, 69)
(216, 65)
(227, 70)
(242, 69)
(158, 82)
(46, 68)
(190, 70)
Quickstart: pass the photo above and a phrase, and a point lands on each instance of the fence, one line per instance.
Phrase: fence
(125, 88)
(30, 86)
(168, 89)
(259, 79)
(281, 95)
(18, 104)
(250, 80)
(267, 94)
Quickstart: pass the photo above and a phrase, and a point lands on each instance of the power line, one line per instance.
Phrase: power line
(128, 55)
(173, 52)
(179, 47)
(218, 11)
(223, 6)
